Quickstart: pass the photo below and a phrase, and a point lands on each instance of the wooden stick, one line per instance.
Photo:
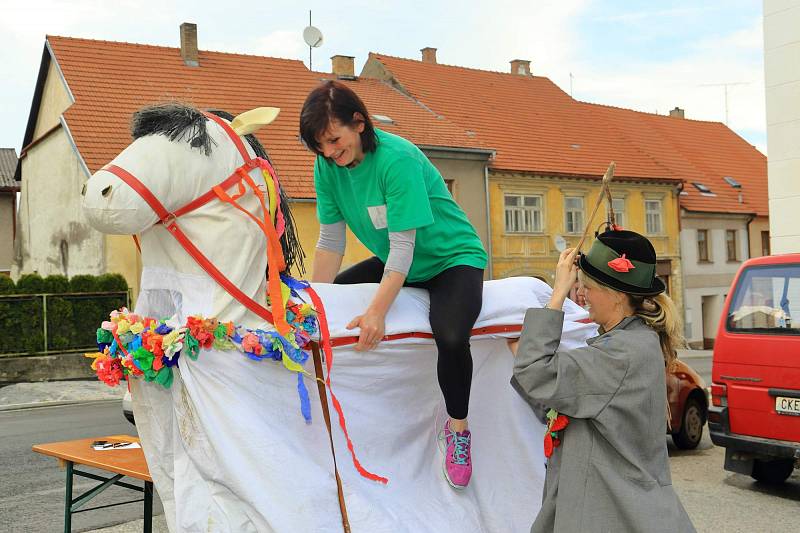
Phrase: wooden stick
(607, 177)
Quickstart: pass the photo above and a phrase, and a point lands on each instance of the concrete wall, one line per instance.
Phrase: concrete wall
(55, 100)
(54, 237)
(535, 254)
(706, 283)
(7, 214)
(782, 80)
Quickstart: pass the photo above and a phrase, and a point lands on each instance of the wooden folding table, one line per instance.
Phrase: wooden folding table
(120, 462)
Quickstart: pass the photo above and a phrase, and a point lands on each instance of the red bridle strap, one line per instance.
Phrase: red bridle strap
(171, 224)
(232, 134)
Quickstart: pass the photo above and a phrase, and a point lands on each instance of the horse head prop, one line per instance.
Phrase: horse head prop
(176, 185)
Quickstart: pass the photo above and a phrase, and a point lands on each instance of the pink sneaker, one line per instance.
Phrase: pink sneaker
(457, 465)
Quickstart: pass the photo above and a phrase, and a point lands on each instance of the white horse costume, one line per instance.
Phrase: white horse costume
(226, 444)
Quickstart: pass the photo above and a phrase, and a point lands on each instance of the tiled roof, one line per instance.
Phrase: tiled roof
(8, 164)
(111, 80)
(697, 152)
(536, 127)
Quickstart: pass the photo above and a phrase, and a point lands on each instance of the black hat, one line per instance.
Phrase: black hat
(624, 261)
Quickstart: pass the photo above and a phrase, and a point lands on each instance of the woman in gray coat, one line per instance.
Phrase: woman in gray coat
(608, 469)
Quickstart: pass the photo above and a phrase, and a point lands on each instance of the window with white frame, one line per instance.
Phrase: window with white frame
(618, 204)
(573, 214)
(523, 213)
(652, 209)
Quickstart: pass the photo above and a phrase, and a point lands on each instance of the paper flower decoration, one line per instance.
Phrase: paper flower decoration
(621, 264)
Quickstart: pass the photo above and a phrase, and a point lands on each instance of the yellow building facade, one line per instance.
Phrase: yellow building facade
(532, 216)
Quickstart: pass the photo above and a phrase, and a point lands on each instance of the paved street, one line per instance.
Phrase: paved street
(723, 502)
(32, 491)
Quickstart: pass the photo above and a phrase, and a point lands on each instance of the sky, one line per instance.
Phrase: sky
(637, 54)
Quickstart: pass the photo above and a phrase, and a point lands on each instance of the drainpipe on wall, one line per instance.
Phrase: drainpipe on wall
(488, 220)
(747, 234)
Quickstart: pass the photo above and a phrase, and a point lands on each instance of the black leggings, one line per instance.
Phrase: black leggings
(456, 298)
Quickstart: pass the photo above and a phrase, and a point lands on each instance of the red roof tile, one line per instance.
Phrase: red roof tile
(111, 80)
(536, 127)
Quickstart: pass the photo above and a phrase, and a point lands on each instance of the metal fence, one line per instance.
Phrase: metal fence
(37, 324)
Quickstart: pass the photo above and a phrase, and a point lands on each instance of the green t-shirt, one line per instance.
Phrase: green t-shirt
(396, 188)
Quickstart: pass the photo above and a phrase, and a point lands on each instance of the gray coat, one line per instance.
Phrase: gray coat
(611, 472)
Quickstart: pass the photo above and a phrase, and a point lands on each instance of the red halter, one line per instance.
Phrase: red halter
(170, 222)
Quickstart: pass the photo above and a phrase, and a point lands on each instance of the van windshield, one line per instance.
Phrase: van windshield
(767, 300)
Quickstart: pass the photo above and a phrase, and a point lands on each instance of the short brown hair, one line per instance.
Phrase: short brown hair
(333, 100)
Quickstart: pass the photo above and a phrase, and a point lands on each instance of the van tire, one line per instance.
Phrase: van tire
(692, 421)
(772, 472)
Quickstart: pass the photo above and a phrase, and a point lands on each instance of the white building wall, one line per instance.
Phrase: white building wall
(55, 237)
(782, 80)
(706, 283)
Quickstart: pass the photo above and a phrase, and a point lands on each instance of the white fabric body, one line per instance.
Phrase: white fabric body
(227, 446)
(229, 450)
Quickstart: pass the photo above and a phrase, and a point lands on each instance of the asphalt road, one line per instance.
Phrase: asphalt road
(723, 502)
(32, 488)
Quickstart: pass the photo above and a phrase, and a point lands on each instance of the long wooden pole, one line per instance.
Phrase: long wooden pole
(607, 177)
(323, 398)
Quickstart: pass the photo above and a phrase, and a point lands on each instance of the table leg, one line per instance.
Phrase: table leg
(68, 499)
(148, 507)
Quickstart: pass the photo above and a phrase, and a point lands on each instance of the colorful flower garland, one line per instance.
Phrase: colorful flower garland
(130, 344)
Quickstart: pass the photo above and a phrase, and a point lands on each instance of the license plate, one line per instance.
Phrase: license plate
(787, 406)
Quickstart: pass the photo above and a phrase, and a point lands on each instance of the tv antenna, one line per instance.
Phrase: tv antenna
(725, 85)
(313, 38)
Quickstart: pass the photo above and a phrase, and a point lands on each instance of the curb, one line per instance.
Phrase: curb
(695, 356)
(57, 403)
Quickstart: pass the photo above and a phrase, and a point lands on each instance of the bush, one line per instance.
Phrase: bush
(83, 283)
(72, 320)
(56, 284)
(7, 285)
(30, 284)
(112, 283)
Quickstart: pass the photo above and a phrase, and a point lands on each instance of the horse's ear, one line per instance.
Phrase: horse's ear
(251, 121)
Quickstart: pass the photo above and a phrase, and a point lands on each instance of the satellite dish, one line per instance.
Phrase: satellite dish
(312, 36)
(560, 242)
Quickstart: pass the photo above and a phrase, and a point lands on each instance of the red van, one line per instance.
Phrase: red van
(755, 389)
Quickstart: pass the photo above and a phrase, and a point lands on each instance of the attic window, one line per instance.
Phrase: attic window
(732, 182)
(705, 191)
(383, 119)
(575, 146)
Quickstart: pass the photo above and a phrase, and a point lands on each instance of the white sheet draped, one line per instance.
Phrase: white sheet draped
(229, 450)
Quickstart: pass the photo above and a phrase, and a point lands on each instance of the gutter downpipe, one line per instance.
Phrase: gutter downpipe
(750, 218)
(489, 265)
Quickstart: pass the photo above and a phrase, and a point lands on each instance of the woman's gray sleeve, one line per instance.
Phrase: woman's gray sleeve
(333, 237)
(578, 382)
(401, 251)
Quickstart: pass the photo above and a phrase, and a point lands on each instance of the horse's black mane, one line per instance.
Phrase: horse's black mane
(178, 121)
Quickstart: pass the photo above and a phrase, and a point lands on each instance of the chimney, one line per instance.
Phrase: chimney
(428, 55)
(676, 113)
(189, 44)
(521, 67)
(344, 66)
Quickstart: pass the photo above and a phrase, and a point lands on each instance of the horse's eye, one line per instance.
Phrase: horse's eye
(83, 190)
(105, 191)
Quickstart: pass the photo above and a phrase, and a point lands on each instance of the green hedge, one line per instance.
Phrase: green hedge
(72, 316)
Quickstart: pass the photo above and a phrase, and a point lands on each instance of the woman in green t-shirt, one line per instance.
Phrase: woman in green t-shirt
(395, 201)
